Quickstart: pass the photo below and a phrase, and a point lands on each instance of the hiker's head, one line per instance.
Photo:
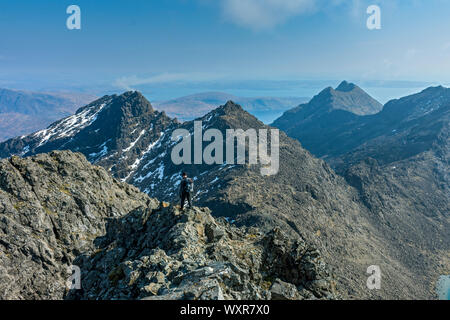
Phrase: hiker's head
(184, 174)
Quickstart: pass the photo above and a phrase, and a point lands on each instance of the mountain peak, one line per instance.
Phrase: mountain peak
(134, 102)
(434, 89)
(235, 116)
(345, 86)
(113, 131)
(132, 94)
(348, 97)
(231, 105)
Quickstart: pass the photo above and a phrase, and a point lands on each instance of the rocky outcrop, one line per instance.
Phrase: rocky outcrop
(52, 207)
(57, 210)
(168, 254)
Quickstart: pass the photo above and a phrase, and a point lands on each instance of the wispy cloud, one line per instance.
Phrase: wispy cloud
(131, 82)
(264, 14)
(267, 14)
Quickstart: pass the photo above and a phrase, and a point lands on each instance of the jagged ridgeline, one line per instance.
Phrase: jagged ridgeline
(306, 199)
(397, 159)
(58, 210)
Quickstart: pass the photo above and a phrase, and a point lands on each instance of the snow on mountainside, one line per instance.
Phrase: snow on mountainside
(155, 172)
(71, 125)
(23, 111)
(113, 131)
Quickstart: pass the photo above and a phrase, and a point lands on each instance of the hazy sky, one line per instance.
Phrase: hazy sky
(156, 42)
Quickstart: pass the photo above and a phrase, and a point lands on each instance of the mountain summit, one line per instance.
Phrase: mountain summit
(398, 161)
(345, 86)
(316, 123)
(193, 106)
(112, 131)
(348, 97)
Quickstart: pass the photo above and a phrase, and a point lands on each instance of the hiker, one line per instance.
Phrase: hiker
(186, 188)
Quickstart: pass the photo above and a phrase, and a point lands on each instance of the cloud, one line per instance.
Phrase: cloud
(264, 14)
(267, 14)
(130, 82)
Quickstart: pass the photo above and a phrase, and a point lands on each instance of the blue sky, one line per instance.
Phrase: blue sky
(159, 44)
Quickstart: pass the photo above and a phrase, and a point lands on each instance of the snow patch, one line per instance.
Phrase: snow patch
(134, 142)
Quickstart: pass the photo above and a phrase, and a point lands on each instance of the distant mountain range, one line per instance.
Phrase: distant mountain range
(373, 214)
(319, 123)
(193, 106)
(397, 159)
(22, 112)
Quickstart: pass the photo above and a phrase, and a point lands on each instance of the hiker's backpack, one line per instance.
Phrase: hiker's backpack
(190, 185)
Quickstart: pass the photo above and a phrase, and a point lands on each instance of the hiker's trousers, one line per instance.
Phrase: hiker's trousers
(184, 196)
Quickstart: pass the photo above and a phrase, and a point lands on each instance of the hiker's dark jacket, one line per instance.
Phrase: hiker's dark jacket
(184, 185)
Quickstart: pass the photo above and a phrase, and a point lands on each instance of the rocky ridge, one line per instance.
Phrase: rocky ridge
(306, 198)
(398, 161)
(58, 210)
(189, 255)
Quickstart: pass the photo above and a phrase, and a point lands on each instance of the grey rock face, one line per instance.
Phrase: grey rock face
(52, 207)
(398, 161)
(319, 124)
(57, 210)
(281, 290)
(168, 254)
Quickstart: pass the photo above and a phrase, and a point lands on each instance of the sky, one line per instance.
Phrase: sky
(174, 47)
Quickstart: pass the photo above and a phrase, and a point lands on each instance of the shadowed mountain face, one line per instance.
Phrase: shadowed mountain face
(317, 123)
(398, 160)
(22, 112)
(306, 198)
(405, 128)
(401, 171)
(112, 131)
